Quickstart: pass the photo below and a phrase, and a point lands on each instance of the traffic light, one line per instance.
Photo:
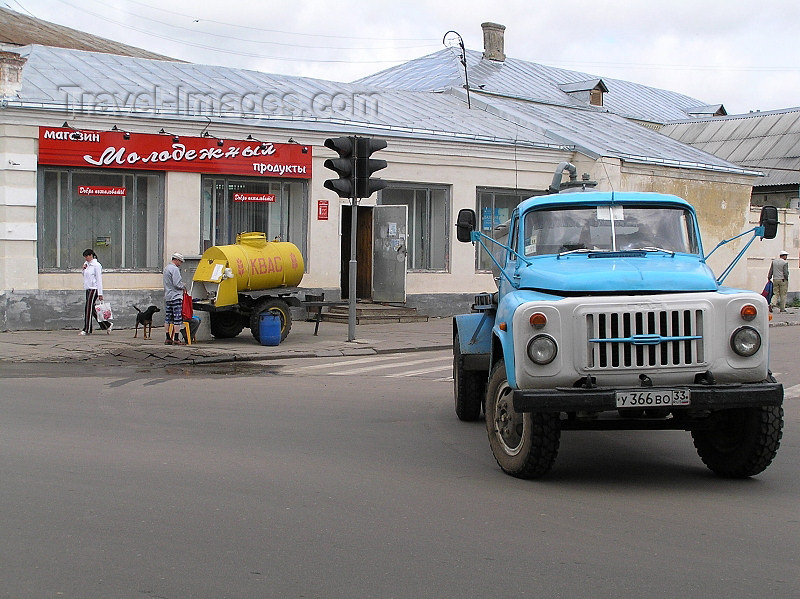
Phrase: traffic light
(354, 166)
(366, 166)
(343, 166)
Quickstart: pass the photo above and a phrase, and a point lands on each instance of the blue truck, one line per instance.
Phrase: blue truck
(607, 317)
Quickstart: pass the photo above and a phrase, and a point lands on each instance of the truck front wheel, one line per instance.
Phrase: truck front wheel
(742, 442)
(226, 325)
(525, 445)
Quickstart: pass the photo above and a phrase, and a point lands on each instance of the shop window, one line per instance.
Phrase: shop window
(494, 210)
(428, 223)
(116, 214)
(272, 206)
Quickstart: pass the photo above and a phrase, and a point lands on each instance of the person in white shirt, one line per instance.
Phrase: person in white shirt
(93, 285)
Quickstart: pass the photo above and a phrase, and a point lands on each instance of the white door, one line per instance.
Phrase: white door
(389, 253)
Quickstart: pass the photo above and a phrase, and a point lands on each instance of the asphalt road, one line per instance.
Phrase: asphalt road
(293, 481)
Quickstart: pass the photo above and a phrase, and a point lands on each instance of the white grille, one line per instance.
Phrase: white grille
(647, 339)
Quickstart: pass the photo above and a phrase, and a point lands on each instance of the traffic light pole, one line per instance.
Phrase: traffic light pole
(353, 265)
(351, 299)
(354, 167)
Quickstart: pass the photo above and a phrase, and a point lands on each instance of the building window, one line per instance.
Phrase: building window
(494, 209)
(118, 214)
(240, 205)
(428, 223)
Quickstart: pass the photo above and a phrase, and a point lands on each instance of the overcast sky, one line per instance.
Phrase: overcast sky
(740, 53)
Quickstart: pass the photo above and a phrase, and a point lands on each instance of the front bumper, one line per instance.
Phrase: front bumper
(598, 399)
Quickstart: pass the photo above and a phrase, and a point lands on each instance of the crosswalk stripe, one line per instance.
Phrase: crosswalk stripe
(381, 366)
(416, 372)
(792, 392)
(332, 364)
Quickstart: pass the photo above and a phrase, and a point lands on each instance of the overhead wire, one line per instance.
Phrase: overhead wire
(261, 30)
(241, 52)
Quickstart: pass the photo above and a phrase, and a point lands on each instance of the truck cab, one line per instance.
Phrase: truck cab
(607, 316)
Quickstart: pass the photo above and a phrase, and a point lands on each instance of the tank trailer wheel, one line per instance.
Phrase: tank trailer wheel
(276, 306)
(742, 443)
(469, 388)
(524, 445)
(225, 325)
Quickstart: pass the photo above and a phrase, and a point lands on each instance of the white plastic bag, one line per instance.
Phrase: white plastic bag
(103, 311)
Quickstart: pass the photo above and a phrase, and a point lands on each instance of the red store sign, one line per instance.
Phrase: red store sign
(253, 197)
(145, 151)
(101, 190)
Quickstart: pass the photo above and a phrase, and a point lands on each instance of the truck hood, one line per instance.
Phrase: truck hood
(593, 273)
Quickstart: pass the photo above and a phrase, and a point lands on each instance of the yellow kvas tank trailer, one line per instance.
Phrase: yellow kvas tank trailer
(237, 283)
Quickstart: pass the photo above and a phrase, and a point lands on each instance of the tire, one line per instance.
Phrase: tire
(742, 442)
(226, 325)
(469, 388)
(524, 445)
(276, 306)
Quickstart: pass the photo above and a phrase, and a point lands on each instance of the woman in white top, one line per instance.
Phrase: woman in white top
(93, 284)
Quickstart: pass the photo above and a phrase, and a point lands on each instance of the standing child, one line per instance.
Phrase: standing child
(93, 285)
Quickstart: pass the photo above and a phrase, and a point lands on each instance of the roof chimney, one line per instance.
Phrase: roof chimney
(493, 41)
(10, 73)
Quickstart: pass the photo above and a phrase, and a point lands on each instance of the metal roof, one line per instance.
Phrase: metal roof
(110, 85)
(533, 81)
(765, 141)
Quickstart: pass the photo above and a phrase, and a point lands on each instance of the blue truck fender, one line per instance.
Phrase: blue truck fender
(472, 339)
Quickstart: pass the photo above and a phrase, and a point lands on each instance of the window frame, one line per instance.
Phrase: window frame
(73, 262)
(521, 194)
(428, 189)
(288, 213)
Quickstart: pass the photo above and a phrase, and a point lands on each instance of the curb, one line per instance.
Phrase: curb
(325, 353)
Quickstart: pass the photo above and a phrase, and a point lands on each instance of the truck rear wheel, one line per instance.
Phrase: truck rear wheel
(524, 445)
(469, 387)
(742, 442)
(276, 306)
(225, 325)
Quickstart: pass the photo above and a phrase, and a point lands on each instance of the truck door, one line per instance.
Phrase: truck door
(389, 253)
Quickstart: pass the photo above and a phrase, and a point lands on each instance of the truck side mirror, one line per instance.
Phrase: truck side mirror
(769, 220)
(465, 224)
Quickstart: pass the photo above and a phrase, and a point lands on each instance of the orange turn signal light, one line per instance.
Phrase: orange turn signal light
(748, 312)
(538, 320)
(502, 326)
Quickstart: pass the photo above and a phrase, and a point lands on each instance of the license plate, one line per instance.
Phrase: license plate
(653, 398)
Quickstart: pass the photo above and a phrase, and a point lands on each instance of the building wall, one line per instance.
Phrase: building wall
(17, 207)
(29, 299)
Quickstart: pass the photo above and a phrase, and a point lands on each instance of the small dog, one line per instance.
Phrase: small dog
(146, 320)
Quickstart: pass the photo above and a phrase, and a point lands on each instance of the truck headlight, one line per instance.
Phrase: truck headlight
(745, 341)
(542, 349)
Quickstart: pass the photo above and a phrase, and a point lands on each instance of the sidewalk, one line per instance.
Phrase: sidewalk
(120, 348)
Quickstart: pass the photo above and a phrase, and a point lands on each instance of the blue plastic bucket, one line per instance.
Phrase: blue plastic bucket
(269, 329)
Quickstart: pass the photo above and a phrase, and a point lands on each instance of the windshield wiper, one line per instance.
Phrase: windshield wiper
(585, 251)
(656, 249)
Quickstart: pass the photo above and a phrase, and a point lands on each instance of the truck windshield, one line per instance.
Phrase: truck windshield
(609, 228)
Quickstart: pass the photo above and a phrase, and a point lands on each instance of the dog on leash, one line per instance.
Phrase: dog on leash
(145, 318)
